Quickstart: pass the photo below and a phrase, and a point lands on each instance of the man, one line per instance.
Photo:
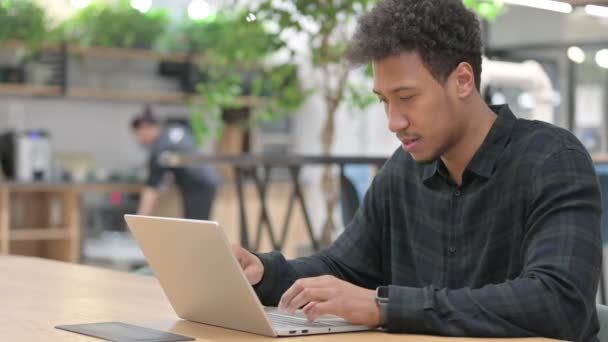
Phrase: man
(480, 224)
(197, 184)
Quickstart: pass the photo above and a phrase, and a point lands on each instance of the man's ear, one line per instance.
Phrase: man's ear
(464, 80)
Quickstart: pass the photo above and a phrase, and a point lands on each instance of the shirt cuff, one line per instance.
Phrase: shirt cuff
(406, 306)
(267, 288)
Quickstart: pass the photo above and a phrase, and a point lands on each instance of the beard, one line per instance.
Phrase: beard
(428, 159)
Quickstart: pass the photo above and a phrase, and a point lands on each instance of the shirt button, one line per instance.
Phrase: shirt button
(457, 193)
(452, 249)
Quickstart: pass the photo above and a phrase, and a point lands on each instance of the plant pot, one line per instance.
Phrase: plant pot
(236, 116)
(235, 137)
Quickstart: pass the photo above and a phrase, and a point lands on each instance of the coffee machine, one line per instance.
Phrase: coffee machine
(26, 156)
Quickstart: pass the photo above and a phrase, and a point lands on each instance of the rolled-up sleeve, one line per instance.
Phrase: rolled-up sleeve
(156, 172)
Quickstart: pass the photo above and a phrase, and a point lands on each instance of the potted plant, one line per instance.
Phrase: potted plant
(238, 86)
(22, 26)
(103, 24)
(22, 20)
(112, 24)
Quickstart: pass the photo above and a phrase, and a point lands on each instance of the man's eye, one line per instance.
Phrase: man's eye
(407, 98)
(381, 100)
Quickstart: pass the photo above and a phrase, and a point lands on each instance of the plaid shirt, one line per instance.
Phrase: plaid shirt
(514, 251)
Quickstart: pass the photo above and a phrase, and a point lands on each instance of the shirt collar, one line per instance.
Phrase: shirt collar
(484, 160)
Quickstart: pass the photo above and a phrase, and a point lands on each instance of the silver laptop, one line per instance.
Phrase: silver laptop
(204, 282)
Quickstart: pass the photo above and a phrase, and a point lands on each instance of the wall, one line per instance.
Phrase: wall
(100, 128)
(526, 26)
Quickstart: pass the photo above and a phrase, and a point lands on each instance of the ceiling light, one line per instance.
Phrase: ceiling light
(549, 5)
(198, 9)
(601, 58)
(598, 11)
(525, 100)
(498, 99)
(141, 5)
(576, 54)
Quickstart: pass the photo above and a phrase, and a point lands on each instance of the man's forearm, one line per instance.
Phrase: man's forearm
(280, 274)
(148, 199)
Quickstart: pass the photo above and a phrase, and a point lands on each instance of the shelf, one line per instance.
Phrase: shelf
(24, 234)
(163, 97)
(166, 97)
(105, 52)
(17, 44)
(125, 95)
(132, 54)
(110, 187)
(94, 94)
(99, 187)
(29, 90)
(278, 139)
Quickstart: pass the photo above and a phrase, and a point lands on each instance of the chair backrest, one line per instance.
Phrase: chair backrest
(355, 179)
(602, 174)
(349, 199)
(602, 316)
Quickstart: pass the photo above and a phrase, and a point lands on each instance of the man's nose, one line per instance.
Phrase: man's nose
(397, 121)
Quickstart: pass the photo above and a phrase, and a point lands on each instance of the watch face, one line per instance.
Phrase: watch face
(383, 291)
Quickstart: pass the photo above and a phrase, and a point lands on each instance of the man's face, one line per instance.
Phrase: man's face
(423, 113)
(146, 134)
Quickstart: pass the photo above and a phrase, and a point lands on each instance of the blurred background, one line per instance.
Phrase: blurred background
(266, 124)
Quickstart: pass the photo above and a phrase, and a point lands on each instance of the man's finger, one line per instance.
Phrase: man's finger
(307, 307)
(236, 249)
(308, 295)
(238, 253)
(301, 284)
(318, 309)
(250, 273)
(293, 291)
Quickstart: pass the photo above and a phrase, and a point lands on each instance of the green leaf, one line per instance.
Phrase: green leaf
(23, 20)
(115, 25)
(486, 9)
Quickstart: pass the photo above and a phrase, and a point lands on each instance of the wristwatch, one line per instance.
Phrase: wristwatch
(382, 302)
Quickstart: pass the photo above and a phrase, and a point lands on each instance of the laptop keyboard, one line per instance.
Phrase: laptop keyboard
(286, 321)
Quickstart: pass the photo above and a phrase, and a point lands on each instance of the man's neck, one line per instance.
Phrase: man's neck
(457, 158)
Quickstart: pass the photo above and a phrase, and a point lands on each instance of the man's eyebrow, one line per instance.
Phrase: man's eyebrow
(396, 89)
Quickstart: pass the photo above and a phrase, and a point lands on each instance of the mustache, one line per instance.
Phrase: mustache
(408, 136)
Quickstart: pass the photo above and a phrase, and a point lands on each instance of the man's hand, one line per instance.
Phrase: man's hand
(147, 202)
(330, 295)
(251, 264)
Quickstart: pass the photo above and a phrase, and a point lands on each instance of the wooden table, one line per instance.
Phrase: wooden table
(38, 294)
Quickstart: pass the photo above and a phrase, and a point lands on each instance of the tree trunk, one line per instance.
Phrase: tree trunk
(328, 180)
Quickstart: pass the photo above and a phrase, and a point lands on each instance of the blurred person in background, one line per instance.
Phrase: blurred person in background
(197, 185)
